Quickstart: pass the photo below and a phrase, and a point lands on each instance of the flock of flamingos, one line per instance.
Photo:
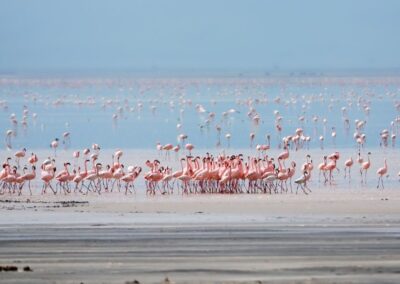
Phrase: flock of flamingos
(221, 173)
(207, 174)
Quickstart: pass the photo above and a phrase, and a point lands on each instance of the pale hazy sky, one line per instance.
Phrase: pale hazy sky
(50, 35)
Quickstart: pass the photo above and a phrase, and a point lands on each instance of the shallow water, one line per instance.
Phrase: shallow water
(84, 107)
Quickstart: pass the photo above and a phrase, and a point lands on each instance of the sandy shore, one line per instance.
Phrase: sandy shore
(337, 236)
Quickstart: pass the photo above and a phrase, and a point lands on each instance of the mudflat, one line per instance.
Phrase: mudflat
(336, 236)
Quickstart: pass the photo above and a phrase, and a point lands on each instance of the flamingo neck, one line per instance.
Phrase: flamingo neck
(280, 165)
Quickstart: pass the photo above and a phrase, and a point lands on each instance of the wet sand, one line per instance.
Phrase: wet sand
(331, 237)
(202, 253)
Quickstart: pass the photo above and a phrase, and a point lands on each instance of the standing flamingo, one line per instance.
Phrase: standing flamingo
(347, 166)
(228, 138)
(252, 136)
(284, 155)
(364, 168)
(321, 168)
(167, 148)
(333, 134)
(189, 147)
(381, 172)
(33, 159)
(18, 155)
(321, 140)
(29, 177)
(54, 145)
(330, 167)
(302, 182)
(176, 150)
(47, 176)
(66, 140)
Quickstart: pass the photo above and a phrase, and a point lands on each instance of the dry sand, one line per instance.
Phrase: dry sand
(338, 234)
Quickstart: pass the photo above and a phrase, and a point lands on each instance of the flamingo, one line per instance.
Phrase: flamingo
(302, 182)
(333, 134)
(29, 177)
(167, 148)
(129, 178)
(63, 177)
(228, 138)
(364, 168)
(189, 147)
(54, 145)
(66, 139)
(96, 148)
(76, 155)
(284, 155)
(321, 139)
(117, 175)
(321, 168)
(381, 172)
(18, 155)
(329, 168)
(47, 175)
(347, 166)
(92, 178)
(107, 175)
(176, 150)
(252, 136)
(81, 175)
(33, 159)
(11, 178)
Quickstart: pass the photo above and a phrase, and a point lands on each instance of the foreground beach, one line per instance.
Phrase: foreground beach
(341, 235)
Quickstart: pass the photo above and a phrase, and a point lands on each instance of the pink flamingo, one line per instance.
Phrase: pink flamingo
(321, 168)
(167, 148)
(18, 155)
(47, 175)
(11, 178)
(381, 172)
(129, 178)
(283, 177)
(190, 148)
(54, 145)
(284, 155)
(347, 166)
(364, 168)
(33, 159)
(63, 177)
(92, 178)
(29, 177)
(81, 175)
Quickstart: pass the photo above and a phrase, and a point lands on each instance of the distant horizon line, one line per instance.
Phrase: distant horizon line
(187, 72)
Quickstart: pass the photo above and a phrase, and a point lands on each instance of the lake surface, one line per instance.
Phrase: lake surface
(149, 110)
